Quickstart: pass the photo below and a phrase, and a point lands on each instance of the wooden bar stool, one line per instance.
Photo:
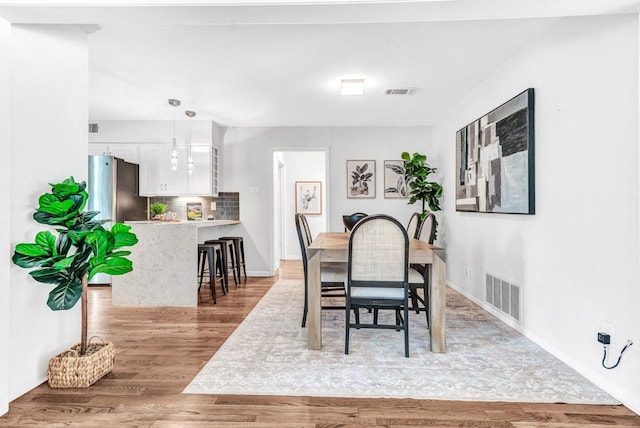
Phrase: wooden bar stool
(207, 264)
(238, 253)
(225, 251)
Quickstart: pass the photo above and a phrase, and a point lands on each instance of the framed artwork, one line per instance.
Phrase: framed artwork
(361, 179)
(194, 211)
(308, 197)
(495, 160)
(395, 181)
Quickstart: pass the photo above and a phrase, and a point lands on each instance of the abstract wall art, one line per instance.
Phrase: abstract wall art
(395, 181)
(495, 160)
(309, 197)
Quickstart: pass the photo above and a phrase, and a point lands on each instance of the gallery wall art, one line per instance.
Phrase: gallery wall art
(495, 160)
(395, 181)
(308, 197)
(361, 179)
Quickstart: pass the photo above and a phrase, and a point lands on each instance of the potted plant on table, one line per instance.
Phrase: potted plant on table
(417, 171)
(81, 249)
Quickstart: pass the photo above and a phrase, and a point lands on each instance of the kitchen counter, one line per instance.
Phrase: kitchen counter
(165, 262)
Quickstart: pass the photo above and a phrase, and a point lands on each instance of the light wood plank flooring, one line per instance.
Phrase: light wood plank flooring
(161, 349)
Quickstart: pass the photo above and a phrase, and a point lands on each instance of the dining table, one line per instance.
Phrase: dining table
(334, 247)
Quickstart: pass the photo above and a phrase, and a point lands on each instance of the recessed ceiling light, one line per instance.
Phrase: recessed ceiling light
(352, 87)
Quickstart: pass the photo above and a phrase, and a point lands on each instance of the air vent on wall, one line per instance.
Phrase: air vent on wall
(400, 91)
(93, 128)
(504, 296)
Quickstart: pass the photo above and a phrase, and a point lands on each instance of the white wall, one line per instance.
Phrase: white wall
(302, 166)
(576, 259)
(5, 215)
(49, 115)
(153, 131)
(248, 170)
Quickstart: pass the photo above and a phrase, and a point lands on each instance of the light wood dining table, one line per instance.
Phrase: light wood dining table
(334, 247)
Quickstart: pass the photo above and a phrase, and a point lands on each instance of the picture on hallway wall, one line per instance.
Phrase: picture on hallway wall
(495, 160)
(395, 181)
(308, 197)
(361, 179)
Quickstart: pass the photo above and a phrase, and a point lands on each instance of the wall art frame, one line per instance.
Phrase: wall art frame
(361, 179)
(495, 159)
(308, 197)
(395, 180)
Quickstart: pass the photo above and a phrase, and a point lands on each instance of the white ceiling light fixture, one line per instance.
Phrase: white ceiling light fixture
(174, 146)
(352, 87)
(190, 114)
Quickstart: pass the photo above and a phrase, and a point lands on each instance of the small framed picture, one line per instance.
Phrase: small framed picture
(194, 211)
(361, 179)
(395, 180)
(308, 197)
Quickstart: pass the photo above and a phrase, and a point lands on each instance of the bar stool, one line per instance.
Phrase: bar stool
(225, 250)
(238, 245)
(207, 256)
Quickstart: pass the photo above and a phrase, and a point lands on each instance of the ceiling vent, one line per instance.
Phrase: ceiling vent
(400, 91)
(93, 128)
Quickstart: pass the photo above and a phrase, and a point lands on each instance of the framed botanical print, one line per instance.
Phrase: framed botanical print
(361, 179)
(308, 197)
(395, 180)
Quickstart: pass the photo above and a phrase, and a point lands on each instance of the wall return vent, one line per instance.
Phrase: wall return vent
(504, 296)
(400, 91)
(93, 128)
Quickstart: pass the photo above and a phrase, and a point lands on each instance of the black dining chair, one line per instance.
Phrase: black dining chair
(418, 273)
(412, 226)
(332, 275)
(377, 275)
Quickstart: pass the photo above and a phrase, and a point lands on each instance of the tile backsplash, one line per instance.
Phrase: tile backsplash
(227, 205)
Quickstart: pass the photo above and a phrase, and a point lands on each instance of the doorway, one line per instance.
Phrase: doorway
(291, 166)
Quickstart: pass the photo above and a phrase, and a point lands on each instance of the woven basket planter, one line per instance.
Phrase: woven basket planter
(71, 370)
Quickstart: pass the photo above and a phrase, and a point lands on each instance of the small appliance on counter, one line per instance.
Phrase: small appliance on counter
(113, 190)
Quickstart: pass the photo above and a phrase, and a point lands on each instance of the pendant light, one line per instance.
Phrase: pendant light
(190, 114)
(174, 147)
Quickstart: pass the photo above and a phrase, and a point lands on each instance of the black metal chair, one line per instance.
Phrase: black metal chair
(207, 264)
(377, 274)
(351, 220)
(222, 260)
(412, 226)
(332, 275)
(237, 256)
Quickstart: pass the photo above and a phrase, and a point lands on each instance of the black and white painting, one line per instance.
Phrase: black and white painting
(495, 160)
(361, 179)
(308, 197)
(395, 180)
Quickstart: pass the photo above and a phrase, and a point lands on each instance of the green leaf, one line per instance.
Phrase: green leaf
(65, 295)
(101, 242)
(120, 227)
(58, 208)
(49, 276)
(47, 240)
(118, 254)
(405, 156)
(117, 266)
(64, 263)
(33, 250)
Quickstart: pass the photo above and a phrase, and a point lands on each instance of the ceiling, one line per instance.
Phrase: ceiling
(279, 63)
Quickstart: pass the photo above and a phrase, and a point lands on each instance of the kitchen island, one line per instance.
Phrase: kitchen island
(165, 264)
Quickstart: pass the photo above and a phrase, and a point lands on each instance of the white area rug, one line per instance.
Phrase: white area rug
(486, 360)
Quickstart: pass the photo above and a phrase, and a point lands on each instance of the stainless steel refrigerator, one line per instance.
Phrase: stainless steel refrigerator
(113, 190)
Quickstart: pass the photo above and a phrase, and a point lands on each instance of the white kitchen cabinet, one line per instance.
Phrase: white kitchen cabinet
(156, 175)
(199, 182)
(128, 152)
(157, 178)
(215, 171)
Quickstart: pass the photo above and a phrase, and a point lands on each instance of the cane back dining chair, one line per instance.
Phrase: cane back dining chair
(377, 276)
(332, 275)
(419, 274)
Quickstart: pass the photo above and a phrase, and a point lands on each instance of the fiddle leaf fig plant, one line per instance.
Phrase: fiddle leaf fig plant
(417, 172)
(81, 249)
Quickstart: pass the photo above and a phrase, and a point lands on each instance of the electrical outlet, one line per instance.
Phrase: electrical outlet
(604, 338)
(607, 328)
(467, 273)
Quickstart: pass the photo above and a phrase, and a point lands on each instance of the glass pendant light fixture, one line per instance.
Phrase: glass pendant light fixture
(190, 114)
(174, 147)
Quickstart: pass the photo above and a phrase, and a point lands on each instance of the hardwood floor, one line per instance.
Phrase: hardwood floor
(159, 351)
